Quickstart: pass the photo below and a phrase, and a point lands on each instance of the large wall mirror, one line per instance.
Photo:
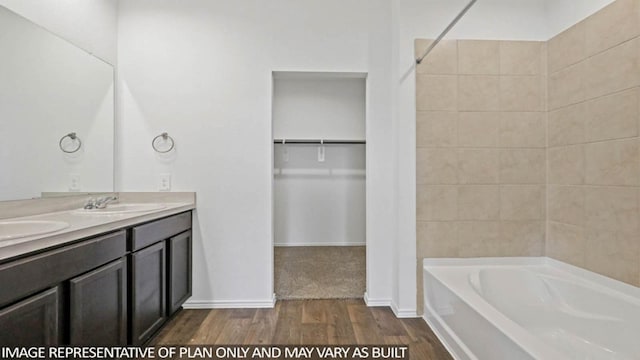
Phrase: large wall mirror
(56, 114)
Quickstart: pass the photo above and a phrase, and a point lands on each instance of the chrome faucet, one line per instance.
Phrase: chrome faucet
(100, 203)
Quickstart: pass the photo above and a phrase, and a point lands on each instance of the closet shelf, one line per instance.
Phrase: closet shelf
(317, 142)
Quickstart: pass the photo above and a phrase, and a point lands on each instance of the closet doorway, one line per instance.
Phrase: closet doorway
(319, 185)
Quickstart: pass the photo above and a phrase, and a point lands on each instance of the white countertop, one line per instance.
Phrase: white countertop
(82, 225)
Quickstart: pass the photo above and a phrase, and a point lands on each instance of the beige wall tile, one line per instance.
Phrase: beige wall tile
(521, 93)
(479, 238)
(566, 243)
(437, 128)
(436, 203)
(613, 70)
(521, 57)
(479, 57)
(478, 93)
(478, 166)
(565, 87)
(478, 129)
(566, 204)
(522, 129)
(443, 59)
(522, 166)
(522, 202)
(612, 209)
(436, 92)
(522, 238)
(566, 165)
(437, 239)
(613, 254)
(566, 48)
(613, 117)
(478, 202)
(615, 162)
(437, 166)
(612, 25)
(567, 125)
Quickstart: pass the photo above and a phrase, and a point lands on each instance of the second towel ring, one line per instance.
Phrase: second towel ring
(165, 137)
(73, 137)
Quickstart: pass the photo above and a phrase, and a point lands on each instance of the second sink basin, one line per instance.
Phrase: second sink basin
(23, 228)
(116, 209)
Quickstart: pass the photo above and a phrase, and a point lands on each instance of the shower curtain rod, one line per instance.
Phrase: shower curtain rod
(321, 142)
(448, 28)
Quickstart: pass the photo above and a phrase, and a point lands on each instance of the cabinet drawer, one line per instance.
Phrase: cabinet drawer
(147, 234)
(29, 275)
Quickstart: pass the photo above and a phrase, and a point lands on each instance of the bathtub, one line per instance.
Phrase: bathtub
(529, 308)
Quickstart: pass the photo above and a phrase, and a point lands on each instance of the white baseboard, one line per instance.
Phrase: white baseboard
(318, 244)
(376, 302)
(403, 313)
(230, 304)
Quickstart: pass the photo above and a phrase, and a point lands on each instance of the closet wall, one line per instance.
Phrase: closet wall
(319, 203)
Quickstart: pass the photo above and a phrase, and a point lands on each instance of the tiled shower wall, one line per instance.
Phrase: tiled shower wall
(481, 158)
(485, 142)
(593, 155)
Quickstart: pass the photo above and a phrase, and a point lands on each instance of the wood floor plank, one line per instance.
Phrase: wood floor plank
(263, 326)
(314, 311)
(364, 325)
(288, 325)
(339, 327)
(385, 318)
(182, 328)
(304, 322)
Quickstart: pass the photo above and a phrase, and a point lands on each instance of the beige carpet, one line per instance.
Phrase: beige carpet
(322, 272)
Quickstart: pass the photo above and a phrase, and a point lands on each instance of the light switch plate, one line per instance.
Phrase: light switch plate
(164, 182)
(74, 182)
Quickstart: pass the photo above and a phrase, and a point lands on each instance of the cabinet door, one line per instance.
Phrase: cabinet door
(179, 289)
(148, 292)
(98, 302)
(31, 322)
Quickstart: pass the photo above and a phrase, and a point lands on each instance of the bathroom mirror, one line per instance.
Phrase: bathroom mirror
(50, 89)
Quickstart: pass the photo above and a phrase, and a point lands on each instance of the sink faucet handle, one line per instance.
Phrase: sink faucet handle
(91, 204)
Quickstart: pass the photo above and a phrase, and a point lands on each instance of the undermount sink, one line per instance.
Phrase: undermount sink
(116, 209)
(23, 228)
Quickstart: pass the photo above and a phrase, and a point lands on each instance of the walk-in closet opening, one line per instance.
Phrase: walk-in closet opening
(319, 185)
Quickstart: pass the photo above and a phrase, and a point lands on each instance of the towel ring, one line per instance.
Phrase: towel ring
(73, 137)
(165, 137)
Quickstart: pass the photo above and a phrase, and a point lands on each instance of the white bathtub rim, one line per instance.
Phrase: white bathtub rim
(509, 328)
(627, 291)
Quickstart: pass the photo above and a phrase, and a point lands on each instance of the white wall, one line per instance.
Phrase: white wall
(562, 14)
(319, 203)
(50, 88)
(201, 70)
(90, 25)
(322, 107)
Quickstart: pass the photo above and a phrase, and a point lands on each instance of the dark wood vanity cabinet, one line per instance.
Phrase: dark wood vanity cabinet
(148, 292)
(179, 270)
(98, 306)
(108, 290)
(156, 272)
(32, 321)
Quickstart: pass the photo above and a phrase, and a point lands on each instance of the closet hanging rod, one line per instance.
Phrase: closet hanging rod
(446, 30)
(317, 142)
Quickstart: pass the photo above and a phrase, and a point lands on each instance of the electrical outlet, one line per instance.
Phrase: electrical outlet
(74, 182)
(164, 182)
